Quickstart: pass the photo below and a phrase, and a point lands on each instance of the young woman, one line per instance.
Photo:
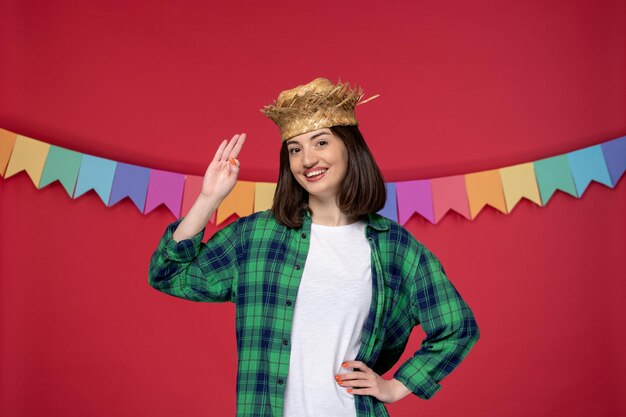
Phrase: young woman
(326, 290)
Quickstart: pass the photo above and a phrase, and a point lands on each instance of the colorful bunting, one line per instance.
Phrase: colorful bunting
(484, 188)
(264, 195)
(27, 155)
(614, 153)
(466, 194)
(7, 142)
(519, 181)
(130, 181)
(554, 174)
(240, 201)
(414, 197)
(165, 188)
(62, 165)
(193, 186)
(449, 193)
(588, 165)
(390, 210)
(95, 174)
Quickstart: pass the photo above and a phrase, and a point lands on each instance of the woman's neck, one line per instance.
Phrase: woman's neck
(327, 213)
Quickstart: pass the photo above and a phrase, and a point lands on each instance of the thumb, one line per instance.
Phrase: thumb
(234, 164)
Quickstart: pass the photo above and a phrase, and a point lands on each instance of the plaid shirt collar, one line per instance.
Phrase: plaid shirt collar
(374, 221)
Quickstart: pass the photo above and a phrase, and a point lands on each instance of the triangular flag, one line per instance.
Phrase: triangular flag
(519, 181)
(193, 187)
(484, 187)
(95, 173)
(554, 174)
(239, 201)
(7, 142)
(28, 155)
(390, 210)
(130, 181)
(414, 197)
(165, 188)
(264, 195)
(588, 165)
(63, 165)
(614, 152)
(449, 193)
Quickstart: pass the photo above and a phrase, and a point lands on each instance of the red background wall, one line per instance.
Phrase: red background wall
(465, 86)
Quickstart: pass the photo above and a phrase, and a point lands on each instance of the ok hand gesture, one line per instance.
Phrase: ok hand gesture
(221, 175)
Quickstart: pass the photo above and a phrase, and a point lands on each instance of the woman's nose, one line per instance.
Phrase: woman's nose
(308, 159)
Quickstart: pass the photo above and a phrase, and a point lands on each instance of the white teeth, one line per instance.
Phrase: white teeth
(312, 174)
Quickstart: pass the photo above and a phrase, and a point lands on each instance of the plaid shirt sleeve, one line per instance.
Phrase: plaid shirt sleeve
(450, 327)
(194, 270)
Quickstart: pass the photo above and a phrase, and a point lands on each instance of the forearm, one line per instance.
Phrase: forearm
(197, 218)
(194, 270)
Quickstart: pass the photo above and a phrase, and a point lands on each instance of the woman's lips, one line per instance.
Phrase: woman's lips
(316, 178)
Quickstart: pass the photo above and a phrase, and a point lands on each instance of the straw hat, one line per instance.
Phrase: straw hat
(316, 105)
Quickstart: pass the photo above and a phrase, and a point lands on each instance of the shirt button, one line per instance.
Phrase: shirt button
(288, 302)
(280, 381)
(297, 266)
(303, 235)
(285, 341)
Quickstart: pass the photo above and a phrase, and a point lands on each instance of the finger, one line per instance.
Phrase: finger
(349, 383)
(355, 365)
(218, 154)
(362, 391)
(229, 147)
(355, 376)
(235, 152)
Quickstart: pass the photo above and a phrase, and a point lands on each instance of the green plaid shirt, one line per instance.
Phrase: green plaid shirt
(257, 263)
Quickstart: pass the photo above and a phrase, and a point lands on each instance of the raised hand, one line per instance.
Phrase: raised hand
(221, 175)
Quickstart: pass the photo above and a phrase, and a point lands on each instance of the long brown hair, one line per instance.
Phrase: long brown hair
(362, 191)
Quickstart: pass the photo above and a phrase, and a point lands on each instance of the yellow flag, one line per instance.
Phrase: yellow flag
(519, 181)
(28, 155)
(264, 195)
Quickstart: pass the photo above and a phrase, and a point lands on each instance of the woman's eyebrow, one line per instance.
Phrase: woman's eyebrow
(293, 142)
(318, 134)
(290, 142)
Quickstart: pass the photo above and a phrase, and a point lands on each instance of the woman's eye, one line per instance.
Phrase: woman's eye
(291, 151)
(322, 142)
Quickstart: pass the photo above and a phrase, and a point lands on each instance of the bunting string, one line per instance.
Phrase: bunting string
(465, 194)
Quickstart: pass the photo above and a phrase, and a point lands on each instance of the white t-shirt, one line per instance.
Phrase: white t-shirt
(331, 308)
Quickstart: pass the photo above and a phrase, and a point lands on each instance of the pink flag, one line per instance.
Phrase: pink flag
(165, 188)
(449, 193)
(414, 197)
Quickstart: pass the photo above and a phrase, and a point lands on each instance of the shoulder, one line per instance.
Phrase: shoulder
(395, 234)
(408, 251)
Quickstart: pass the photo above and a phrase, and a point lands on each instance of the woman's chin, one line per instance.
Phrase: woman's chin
(318, 190)
(324, 194)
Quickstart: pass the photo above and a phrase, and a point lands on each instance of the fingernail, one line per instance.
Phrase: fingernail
(344, 364)
(232, 161)
(340, 382)
(338, 377)
(349, 389)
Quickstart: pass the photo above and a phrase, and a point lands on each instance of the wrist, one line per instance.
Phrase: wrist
(399, 389)
(208, 201)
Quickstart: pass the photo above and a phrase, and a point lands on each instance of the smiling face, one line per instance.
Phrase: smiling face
(318, 161)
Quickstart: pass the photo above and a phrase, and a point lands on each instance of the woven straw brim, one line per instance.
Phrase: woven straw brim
(317, 105)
